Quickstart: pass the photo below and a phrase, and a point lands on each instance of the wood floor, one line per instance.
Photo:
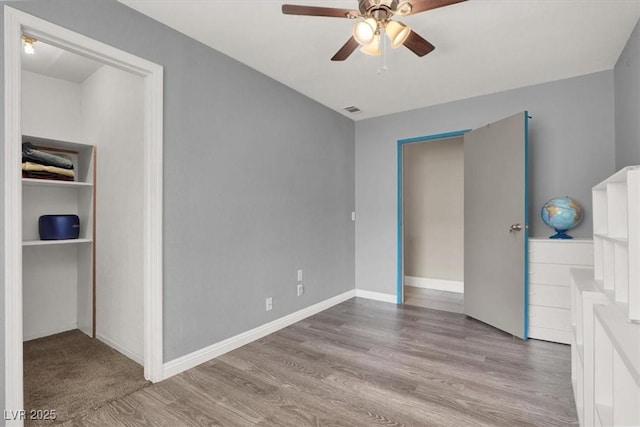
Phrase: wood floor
(438, 300)
(364, 363)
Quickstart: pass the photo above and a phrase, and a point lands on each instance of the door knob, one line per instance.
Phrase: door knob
(514, 228)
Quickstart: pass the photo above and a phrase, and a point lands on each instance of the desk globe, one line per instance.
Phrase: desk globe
(561, 214)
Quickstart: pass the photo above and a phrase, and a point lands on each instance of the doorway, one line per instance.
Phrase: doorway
(495, 222)
(432, 225)
(17, 24)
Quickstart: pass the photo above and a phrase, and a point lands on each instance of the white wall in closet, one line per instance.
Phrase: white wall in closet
(105, 110)
(113, 115)
(50, 108)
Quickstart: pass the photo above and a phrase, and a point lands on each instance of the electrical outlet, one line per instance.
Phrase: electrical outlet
(300, 289)
(269, 304)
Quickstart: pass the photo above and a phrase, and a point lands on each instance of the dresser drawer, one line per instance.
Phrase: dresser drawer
(549, 274)
(550, 317)
(550, 296)
(572, 252)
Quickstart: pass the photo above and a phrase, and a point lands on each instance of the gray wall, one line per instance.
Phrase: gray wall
(571, 149)
(258, 182)
(627, 101)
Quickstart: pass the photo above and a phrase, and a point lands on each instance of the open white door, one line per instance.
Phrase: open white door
(495, 224)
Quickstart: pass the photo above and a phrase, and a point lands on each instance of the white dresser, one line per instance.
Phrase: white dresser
(549, 285)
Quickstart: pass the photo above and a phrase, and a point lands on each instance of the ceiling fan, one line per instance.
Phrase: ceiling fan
(374, 18)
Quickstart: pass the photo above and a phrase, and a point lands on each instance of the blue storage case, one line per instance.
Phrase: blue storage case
(59, 227)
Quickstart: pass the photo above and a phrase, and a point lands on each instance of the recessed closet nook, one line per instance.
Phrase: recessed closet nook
(433, 223)
(93, 112)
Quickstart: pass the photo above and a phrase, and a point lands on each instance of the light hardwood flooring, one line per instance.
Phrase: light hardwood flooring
(364, 363)
(437, 300)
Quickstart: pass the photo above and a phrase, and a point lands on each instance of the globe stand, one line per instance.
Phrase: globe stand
(560, 234)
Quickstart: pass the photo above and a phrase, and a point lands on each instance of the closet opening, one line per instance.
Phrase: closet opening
(83, 312)
(431, 219)
(82, 299)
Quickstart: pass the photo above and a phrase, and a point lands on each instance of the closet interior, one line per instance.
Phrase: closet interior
(85, 291)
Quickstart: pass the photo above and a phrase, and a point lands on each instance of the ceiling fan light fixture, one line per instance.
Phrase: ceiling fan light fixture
(397, 33)
(372, 48)
(364, 31)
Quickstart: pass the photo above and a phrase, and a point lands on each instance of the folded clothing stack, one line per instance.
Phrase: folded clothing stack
(43, 165)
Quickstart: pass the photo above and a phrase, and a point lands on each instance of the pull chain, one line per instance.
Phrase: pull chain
(382, 64)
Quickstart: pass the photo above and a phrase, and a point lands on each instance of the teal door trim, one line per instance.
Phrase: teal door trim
(526, 222)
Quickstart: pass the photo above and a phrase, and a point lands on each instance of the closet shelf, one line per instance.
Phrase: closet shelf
(53, 183)
(55, 242)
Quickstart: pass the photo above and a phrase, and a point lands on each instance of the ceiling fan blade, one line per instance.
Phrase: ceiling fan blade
(292, 9)
(346, 50)
(418, 6)
(417, 44)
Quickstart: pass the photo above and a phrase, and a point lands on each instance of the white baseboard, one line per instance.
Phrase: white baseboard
(86, 330)
(435, 284)
(41, 334)
(198, 357)
(378, 296)
(130, 354)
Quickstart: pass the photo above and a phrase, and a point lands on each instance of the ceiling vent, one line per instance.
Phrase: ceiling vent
(352, 109)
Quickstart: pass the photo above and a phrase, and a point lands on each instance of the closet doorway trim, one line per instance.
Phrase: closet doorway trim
(17, 23)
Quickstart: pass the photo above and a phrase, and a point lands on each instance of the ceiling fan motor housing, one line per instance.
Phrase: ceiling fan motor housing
(380, 10)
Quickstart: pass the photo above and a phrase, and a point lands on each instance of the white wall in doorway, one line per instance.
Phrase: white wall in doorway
(433, 197)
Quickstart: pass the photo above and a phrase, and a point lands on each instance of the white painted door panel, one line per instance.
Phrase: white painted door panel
(495, 256)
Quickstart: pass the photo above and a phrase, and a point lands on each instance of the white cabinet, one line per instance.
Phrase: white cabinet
(58, 275)
(616, 368)
(549, 292)
(585, 294)
(605, 354)
(616, 210)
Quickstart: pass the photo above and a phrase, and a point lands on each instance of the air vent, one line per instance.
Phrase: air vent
(352, 109)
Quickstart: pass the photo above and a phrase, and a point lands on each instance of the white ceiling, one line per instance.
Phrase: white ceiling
(482, 46)
(54, 62)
